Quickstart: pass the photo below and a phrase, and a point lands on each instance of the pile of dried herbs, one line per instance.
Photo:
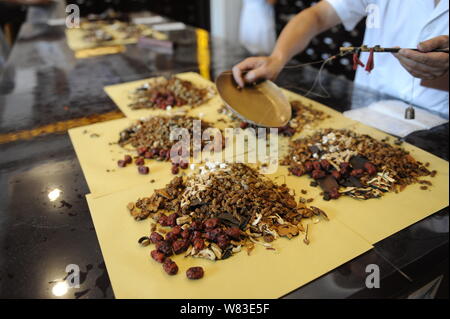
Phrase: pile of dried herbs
(346, 163)
(162, 93)
(151, 140)
(219, 211)
(302, 116)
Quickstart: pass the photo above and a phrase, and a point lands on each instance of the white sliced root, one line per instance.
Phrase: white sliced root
(267, 245)
(257, 220)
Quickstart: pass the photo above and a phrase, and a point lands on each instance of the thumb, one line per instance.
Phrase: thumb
(440, 42)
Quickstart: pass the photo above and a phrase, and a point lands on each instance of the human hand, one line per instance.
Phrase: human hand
(257, 68)
(425, 64)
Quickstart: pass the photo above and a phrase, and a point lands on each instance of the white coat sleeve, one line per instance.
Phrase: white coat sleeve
(350, 11)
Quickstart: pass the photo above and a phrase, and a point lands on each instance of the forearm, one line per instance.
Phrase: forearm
(299, 32)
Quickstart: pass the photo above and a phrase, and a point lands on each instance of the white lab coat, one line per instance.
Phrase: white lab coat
(402, 23)
(257, 27)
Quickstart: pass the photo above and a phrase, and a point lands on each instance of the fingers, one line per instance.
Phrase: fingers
(256, 74)
(433, 59)
(238, 69)
(440, 42)
(420, 70)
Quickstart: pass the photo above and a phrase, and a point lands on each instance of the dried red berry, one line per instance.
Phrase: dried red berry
(121, 163)
(199, 244)
(185, 234)
(357, 172)
(128, 159)
(325, 164)
(170, 236)
(175, 170)
(180, 246)
(197, 225)
(158, 256)
(177, 230)
(233, 232)
(370, 168)
(195, 273)
(141, 150)
(243, 125)
(172, 220)
(163, 220)
(139, 161)
(317, 166)
(148, 155)
(297, 171)
(223, 241)
(334, 194)
(184, 165)
(196, 235)
(309, 166)
(316, 174)
(211, 223)
(162, 154)
(143, 170)
(170, 267)
(164, 247)
(336, 175)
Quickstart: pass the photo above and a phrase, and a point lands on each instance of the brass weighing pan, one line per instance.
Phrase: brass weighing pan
(262, 104)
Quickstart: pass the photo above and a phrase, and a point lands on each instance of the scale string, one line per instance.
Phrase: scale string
(318, 78)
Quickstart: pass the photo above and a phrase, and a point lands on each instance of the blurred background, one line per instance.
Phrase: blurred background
(220, 17)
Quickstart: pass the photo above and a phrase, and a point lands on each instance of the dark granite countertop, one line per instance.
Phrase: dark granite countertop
(44, 84)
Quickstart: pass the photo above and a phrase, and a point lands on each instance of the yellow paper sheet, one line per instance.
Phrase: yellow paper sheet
(263, 274)
(120, 93)
(89, 53)
(76, 42)
(98, 154)
(377, 219)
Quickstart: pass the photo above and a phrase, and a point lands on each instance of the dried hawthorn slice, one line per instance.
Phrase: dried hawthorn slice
(195, 273)
(156, 237)
(180, 246)
(163, 220)
(199, 244)
(172, 220)
(177, 230)
(223, 241)
(171, 236)
(170, 267)
(158, 256)
(196, 235)
(197, 225)
(185, 234)
(164, 247)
